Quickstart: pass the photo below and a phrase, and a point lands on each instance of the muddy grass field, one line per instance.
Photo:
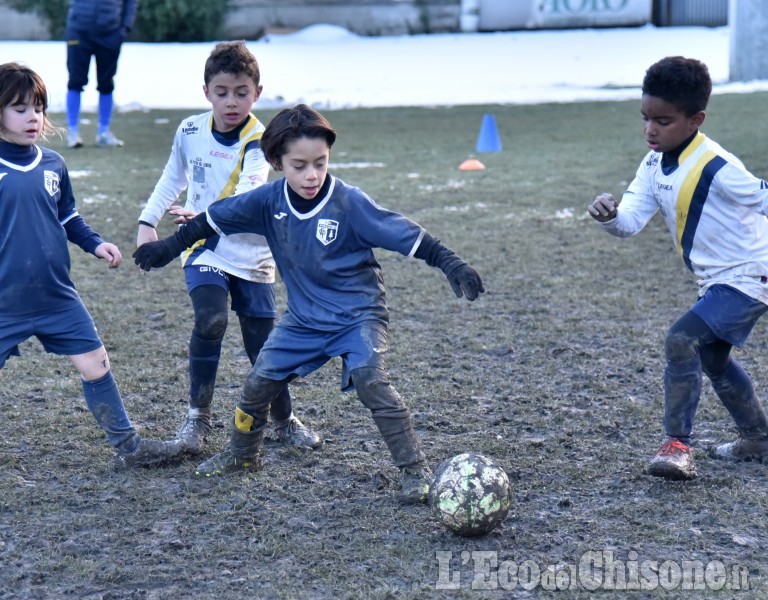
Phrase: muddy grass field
(554, 373)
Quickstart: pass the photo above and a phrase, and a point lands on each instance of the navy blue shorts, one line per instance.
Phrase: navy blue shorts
(81, 46)
(294, 351)
(729, 313)
(249, 299)
(68, 333)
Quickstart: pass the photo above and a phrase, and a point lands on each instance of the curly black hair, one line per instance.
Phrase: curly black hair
(683, 82)
(233, 58)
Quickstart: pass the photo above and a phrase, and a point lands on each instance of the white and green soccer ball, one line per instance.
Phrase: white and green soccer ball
(470, 494)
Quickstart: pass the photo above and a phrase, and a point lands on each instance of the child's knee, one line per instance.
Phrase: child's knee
(679, 346)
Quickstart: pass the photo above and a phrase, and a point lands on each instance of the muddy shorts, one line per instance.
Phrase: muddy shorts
(729, 313)
(293, 351)
(249, 298)
(69, 332)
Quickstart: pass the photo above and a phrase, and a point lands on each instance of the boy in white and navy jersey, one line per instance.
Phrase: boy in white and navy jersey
(38, 218)
(215, 155)
(322, 233)
(715, 211)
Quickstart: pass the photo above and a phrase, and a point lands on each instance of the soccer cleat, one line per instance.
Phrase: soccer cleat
(150, 453)
(415, 481)
(108, 140)
(73, 139)
(674, 460)
(742, 449)
(194, 432)
(226, 463)
(293, 432)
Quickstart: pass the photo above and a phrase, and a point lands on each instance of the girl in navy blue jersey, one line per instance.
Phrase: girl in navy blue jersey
(37, 296)
(322, 233)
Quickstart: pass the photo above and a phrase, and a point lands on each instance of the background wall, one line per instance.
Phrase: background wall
(365, 17)
(249, 19)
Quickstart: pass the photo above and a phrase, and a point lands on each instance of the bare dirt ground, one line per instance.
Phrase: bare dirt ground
(555, 373)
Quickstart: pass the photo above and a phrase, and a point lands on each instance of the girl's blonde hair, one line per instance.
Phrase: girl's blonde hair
(18, 84)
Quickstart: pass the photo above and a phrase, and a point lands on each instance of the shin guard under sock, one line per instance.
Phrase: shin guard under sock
(103, 400)
(204, 358)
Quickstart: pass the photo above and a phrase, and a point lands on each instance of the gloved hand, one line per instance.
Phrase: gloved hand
(153, 254)
(465, 281)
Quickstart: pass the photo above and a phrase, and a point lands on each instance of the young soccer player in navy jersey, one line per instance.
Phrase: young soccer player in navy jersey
(37, 296)
(214, 155)
(715, 210)
(322, 233)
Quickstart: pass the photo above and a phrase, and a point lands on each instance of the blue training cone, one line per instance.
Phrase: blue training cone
(488, 140)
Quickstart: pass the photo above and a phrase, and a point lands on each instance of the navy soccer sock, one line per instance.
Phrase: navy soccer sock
(103, 400)
(204, 358)
(735, 390)
(682, 391)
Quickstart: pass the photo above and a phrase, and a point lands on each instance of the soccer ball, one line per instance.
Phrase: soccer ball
(470, 494)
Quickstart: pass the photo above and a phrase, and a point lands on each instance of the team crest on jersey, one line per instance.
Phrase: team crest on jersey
(327, 230)
(52, 182)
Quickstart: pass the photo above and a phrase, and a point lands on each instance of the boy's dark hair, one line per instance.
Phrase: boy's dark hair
(19, 83)
(683, 82)
(233, 58)
(292, 124)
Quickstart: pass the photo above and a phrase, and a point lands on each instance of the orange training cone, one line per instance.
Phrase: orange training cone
(471, 164)
(488, 139)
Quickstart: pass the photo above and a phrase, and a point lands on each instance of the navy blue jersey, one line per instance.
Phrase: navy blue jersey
(37, 215)
(325, 257)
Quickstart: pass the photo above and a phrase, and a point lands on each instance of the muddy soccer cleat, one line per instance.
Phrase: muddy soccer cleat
(226, 463)
(293, 432)
(415, 481)
(150, 453)
(674, 460)
(194, 431)
(741, 450)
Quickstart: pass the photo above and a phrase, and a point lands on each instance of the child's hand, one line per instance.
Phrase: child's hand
(110, 253)
(603, 208)
(182, 213)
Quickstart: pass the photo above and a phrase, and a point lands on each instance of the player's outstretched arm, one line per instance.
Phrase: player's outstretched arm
(603, 208)
(160, 253)
(464, 280)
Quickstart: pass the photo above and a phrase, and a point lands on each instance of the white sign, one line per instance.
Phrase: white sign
(496, 15)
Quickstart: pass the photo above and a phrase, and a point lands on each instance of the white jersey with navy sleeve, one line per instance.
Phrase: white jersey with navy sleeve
(36, 201)
(210, 170)
(715, 210)
(325, 257)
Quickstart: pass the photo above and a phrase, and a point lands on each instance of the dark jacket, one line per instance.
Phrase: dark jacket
(101, 16)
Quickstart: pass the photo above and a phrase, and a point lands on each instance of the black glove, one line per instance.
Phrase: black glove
(465, 281)
(159, 254)
(153, 254)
